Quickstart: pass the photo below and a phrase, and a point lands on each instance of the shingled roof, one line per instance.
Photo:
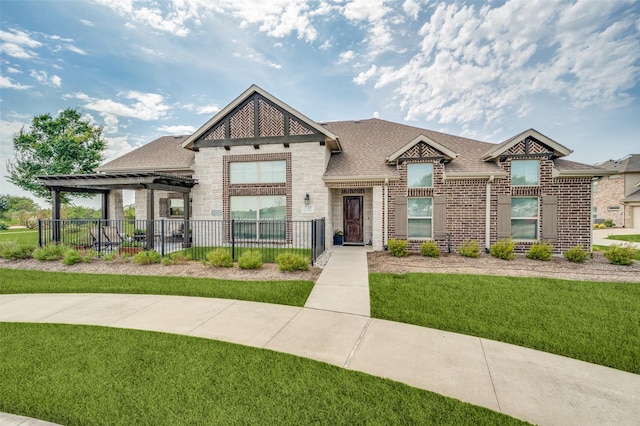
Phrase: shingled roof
(628, 164)
(366, 145)
(164, 154)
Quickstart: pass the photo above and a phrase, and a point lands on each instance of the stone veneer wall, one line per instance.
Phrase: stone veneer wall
(609, 192)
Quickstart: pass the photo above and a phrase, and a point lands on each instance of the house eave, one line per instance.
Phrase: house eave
(474, 175)
(188, 169)
(581, 173)
(347, 179)
(447, 153)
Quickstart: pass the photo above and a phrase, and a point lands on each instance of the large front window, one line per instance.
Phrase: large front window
(259, 217)
(420, 175)
(525, 173)
(419, 215)
(258, 172)
(524, 218)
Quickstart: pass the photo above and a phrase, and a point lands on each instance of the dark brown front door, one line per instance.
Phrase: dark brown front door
(352, 214)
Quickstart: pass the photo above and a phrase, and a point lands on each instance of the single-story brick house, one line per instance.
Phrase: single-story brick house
(259, 158)
(617, 197)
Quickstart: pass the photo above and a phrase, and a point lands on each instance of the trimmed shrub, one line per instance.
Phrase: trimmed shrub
(469, 248)
(220, 258)
(576, 254)
(71, 257)
(147, 257)
(3, 226)
(292, 262)
(503, 249)
(429, 249)
(540, 251)
(50, 252)
(14, 251)
(250, 259)
(608, 223)
(177, 258)
(620, 255)
(90, 255)
(398, 248)
(111, 256)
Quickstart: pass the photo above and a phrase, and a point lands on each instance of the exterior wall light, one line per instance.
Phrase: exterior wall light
(307, 200)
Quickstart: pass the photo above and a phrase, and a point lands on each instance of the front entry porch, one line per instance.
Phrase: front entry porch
(358, 213)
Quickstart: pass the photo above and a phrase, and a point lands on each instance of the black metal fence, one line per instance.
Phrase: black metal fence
(193, 238)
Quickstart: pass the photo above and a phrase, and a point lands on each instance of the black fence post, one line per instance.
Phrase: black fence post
(313, 242)
(233, 239)
(39, 232)
(162, 236)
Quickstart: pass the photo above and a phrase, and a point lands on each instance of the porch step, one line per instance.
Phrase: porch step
(343, 285)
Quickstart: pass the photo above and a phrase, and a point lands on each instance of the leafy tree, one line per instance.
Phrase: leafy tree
(66, 144)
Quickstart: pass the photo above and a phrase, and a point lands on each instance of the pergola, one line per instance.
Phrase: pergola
(104, 183)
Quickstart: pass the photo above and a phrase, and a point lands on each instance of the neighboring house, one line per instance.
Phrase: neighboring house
(617, 197)
(260, 159)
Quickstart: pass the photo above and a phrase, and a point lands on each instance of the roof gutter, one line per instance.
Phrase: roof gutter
(475, 175)
(582, 173)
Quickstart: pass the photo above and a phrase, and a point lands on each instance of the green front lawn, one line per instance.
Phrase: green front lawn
(20, 236)
(631, 237)
(591, 321)
(269, 253)
(13, 281)
(81, 375)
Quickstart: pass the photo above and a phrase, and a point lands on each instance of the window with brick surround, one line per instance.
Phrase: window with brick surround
(420, 175)
(259, 217)
(524, 218)
(258, 172)
(176, 207)
(525, 172)
(419, 217)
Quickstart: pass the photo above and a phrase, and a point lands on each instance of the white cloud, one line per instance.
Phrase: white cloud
(411, 8)
(141, 106)
(8, 129)
(326, 45)
(87, 23)
(208, 109)
(256, 57)
(17, 44)
(43, 78)
(475, 64)
(345, 57)
(364, 76)
(277, 18)
(177, 130)
(13, 70)
(7, 83)
(116, 147)
(374, 14)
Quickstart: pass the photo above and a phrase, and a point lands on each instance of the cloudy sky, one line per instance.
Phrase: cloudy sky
(485, 70)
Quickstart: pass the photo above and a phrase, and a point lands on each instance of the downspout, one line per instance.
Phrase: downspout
(385, 211)
(487, 219)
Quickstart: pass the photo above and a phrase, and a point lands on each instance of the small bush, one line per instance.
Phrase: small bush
(90, 255)
(71, 257)
(429, 249)
(3, 226)
(398, 248)
(620, 255)
(540, 251)
(147, 257)
(576, 254)
(469, 248)
(608, 223)
(503, 249)
(177, 258)
(220, 258)
(110, 256)
(250, 259)
(166, 261)
(292, 262)
(14, 251)
(50, 252)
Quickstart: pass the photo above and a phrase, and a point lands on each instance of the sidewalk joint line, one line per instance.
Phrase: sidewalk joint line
(234, 302)
(490, 376)
(282, 328)
(355, 347)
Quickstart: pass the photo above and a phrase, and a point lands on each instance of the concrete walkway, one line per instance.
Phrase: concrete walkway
(335, 327)
(343, 285)
(600, 236)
